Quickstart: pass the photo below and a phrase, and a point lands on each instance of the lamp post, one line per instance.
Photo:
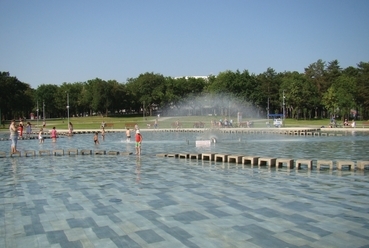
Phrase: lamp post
(229, 111)
(283, 108)
(43, 111)
(68, 109)
(37, 113)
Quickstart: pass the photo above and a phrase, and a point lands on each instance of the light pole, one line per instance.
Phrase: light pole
(283, 108)
(229, 111)
(268, 110)
(43, 110)
(37, 113)
(68, 109)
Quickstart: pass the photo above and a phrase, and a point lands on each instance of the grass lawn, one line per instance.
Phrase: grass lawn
(94, 122)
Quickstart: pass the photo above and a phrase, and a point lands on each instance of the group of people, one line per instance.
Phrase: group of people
(53, 135)
(221, 123)
(346, 123)
(20, 128)
(16, 132)
(138, 137)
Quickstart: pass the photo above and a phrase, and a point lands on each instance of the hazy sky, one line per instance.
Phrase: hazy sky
(51, 42)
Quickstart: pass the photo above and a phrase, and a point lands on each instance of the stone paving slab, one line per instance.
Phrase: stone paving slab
(88, 201)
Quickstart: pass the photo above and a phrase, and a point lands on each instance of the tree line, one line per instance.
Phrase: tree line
(322, 90)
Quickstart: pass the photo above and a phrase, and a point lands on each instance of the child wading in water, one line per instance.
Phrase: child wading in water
(138, 139)
(40, 137)
(96, 138)
(103, 133)
(53, 134)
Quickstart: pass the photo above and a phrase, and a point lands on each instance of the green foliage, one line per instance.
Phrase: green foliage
(323, 89)
(267, 87)
(330, 101)
(15, 97)
(340, 97)
(362, 81)
(300, 94)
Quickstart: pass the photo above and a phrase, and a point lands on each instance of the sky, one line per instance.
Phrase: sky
(52, 42)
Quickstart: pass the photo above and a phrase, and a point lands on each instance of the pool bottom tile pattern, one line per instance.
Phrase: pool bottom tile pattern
(155, 202)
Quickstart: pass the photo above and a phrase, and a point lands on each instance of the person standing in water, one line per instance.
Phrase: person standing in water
(40, 137)
(53, 134)
(138, 139)
(21, 128)
(13, 137)
(70, 129)
(28, 129)
(103, 133)
(128, 134)
(96, 138)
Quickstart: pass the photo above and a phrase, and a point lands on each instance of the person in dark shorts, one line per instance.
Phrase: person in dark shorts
(128, 134)
(96, 139)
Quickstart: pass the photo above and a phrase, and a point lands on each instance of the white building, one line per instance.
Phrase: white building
(187, 77)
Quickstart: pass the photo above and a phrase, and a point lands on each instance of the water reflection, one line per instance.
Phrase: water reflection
(138, 169)
(14, 171)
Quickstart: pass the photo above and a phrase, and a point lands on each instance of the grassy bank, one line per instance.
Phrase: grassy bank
(94, 122)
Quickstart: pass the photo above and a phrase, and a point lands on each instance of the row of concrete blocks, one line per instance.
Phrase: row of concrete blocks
(60, 152)
(299, 133)
(28, 138)
(268, 161)
(180, 130)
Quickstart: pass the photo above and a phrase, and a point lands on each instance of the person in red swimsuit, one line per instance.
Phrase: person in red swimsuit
(138, 138)
(53, 134)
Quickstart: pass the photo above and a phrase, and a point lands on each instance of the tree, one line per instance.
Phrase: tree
(330, 101)
(222, 83)
(120, 98)
(174, 93)
(315, 72)
(47, 94)
(267, 93)
(98, 94)
(76, 105)
(225, 94)
(15, 97)
(300, 95)
(71, 92)
(340, 97)
(362, 81)
(148, 89)
(346, 89)
(332, 72)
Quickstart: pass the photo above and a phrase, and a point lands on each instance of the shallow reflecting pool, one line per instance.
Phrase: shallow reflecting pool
(351, 145)
(148, 201)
